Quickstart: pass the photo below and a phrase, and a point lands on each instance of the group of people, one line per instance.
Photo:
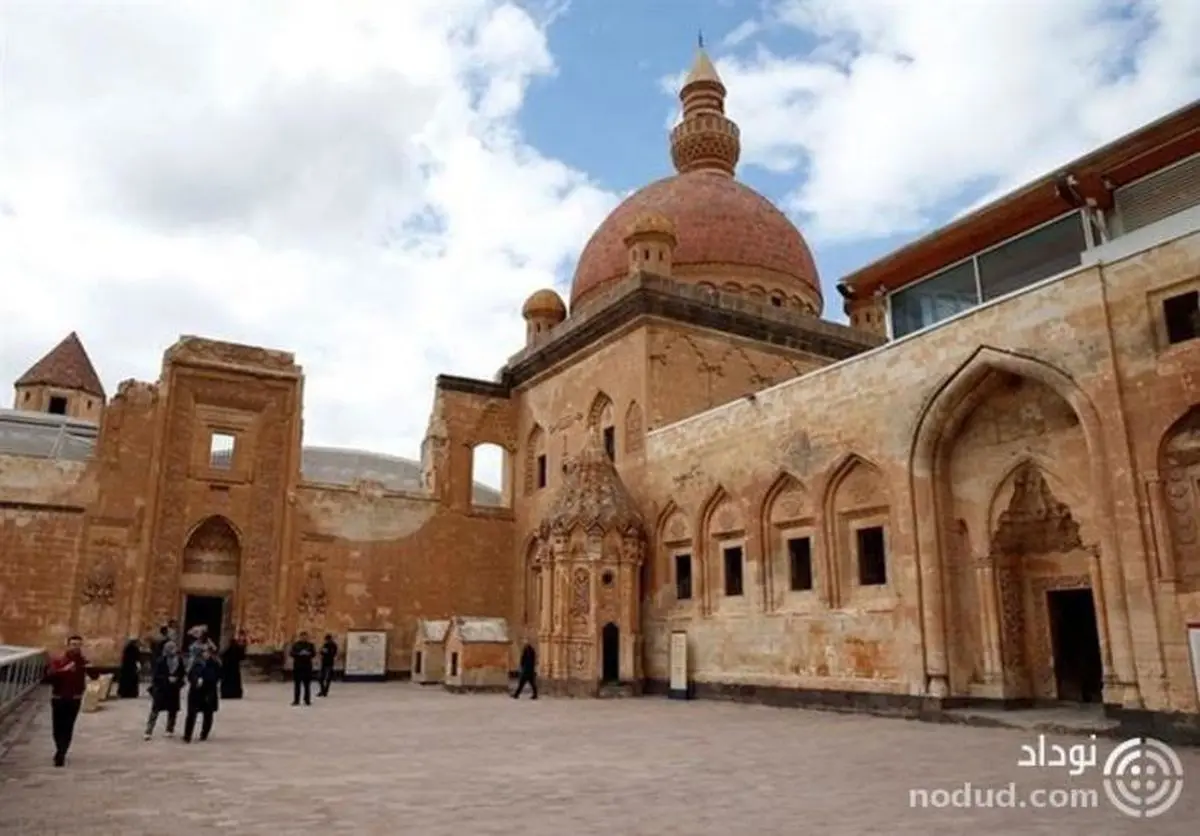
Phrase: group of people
(195, 663)
(175, 661)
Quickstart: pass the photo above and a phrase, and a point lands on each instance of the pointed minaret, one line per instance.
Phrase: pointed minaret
(705, 140)
(64, 382)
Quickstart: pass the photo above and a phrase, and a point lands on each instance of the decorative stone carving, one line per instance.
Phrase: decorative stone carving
(591, 495)
(100, 586)
(212, 549)
(592, 527)
(313, 600)
(581, 594)
(1035, 522)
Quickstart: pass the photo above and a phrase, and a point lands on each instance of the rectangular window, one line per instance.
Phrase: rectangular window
(220, 450)
(872, 559)
(541, 471)
(1182, 317)
(610, 442)
(454, 664)
(1037, 255)
(683, 577)
(58, 405)
(733, 570)
(418, 664)
(918, 306)
(800, 563)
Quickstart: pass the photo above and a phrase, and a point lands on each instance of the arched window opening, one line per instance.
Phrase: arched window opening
(491, 479)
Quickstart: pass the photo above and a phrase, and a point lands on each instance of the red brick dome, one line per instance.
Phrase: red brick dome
(721, 225)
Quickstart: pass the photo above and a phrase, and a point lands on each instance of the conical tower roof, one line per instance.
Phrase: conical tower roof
(593, 495)
(67, 366)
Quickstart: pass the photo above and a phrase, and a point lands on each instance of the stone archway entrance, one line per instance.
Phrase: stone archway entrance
(610, 651)
(209, 579)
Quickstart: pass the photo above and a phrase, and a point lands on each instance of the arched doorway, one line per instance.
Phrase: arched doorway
(610, 652)
(211, 565)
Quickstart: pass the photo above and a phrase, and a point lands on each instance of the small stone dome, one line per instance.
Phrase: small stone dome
(650, 223)
(545, 303)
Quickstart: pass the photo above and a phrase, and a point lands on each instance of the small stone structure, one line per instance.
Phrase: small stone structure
(476, 654)
(429, 651)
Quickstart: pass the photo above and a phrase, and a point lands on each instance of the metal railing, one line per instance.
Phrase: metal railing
(21, 671)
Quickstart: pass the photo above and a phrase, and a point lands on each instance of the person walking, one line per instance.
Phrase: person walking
(202, 700)
(329, 652)
(528, 671)
(68, 679)
(165, 684)
(302, 655)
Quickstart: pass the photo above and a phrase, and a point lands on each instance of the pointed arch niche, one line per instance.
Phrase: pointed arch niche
(1009, 514)
(537, 467)
(725, 570)
(794, 579)
(601, 424)
(1179, 470)
(858, 531)
(677, 561)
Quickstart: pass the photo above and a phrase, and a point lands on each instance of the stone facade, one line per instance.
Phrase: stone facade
(828, 515)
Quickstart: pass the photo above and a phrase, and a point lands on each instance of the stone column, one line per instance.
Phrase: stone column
(989, 622)
(1164, 553)
(933, 601)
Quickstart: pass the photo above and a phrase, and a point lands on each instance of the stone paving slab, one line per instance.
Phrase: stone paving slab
(398, 758)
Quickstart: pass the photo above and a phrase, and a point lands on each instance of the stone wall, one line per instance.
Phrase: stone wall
(365, 559)
(42, 506)
(928, 437)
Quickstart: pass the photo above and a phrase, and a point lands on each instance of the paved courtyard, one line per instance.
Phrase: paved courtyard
(399, 759)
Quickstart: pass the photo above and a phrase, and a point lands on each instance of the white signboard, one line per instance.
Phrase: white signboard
(366, 654)
(679, 662)
(1194, 644)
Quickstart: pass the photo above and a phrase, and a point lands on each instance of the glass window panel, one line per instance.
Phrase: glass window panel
(941, 296)
(1038, 255)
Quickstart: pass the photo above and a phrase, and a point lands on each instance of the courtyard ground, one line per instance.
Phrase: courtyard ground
(402, 759)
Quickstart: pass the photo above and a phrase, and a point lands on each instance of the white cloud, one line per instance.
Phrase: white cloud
(906, 105)
(346, 181)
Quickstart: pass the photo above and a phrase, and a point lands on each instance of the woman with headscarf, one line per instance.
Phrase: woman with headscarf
(231, 667)
(165, 685)
(131, 663)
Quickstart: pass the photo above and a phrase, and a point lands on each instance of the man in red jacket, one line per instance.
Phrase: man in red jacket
(68, 679)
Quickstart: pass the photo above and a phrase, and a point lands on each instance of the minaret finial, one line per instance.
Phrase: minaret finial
(700, 39)
(706, 140)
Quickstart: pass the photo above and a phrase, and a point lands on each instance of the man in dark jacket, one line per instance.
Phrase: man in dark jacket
(329, 652)
(68, 679)
(302, 655)
(528, 671)
(203, 678)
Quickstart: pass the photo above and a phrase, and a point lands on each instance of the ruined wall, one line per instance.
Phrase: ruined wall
(42, 505)
(1029, 379)
(366, 559)
(236, 506)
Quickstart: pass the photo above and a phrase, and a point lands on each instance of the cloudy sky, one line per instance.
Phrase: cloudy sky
(377, 186)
